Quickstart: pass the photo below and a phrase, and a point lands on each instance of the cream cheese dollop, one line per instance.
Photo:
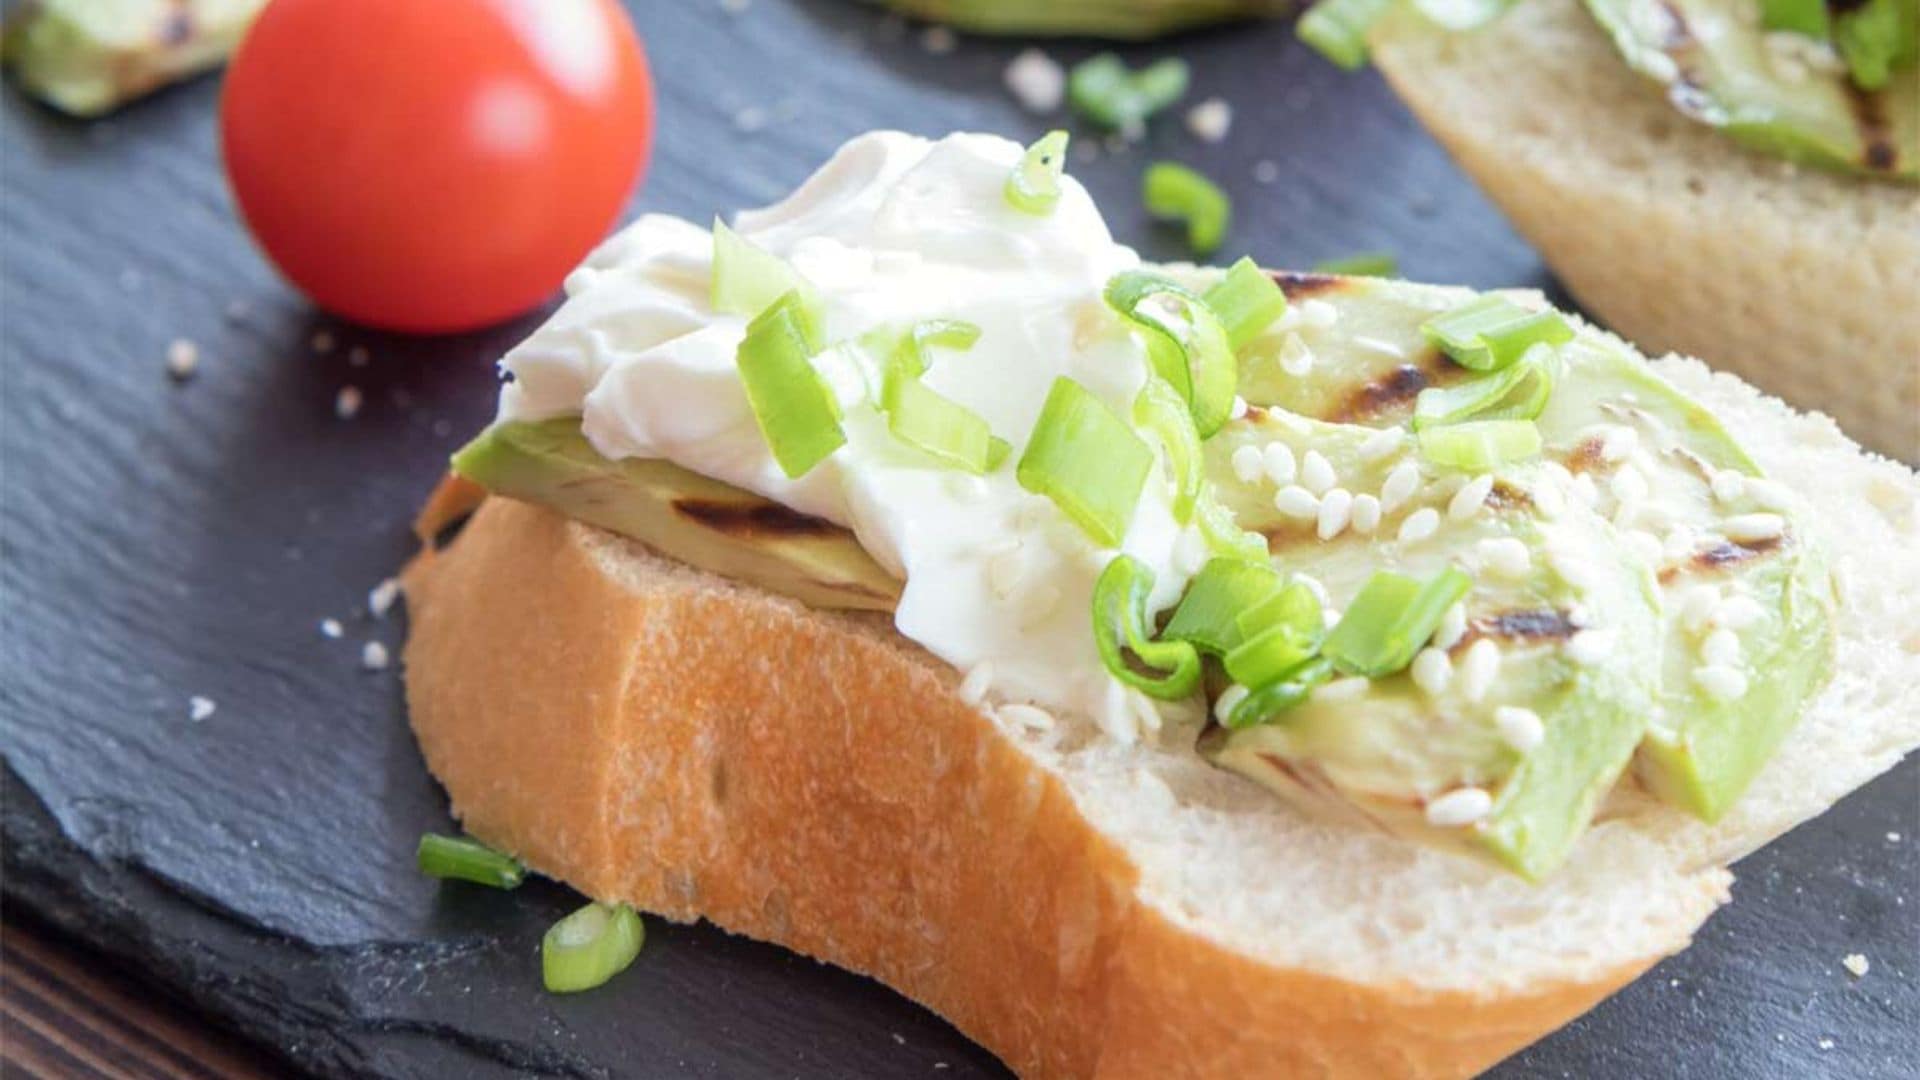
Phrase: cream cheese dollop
(893, 230)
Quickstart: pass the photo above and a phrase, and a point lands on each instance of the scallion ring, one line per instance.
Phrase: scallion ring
(746, 279)
(1337, 29)
(1166, 669)
(590, 946)
(1490, 332)
(1391, 619)
(1247, 301)
(1103, 90)
(1516, 392)
(1087, 460)
(1209, 614)
(1164, 417)
(1034, 185)
(1480, 445)
(1177, 193)
(796, 410)
(1186, 344)
(1268, 702)
(457, 858)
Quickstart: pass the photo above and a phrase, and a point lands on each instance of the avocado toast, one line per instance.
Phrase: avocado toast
(1422, 630)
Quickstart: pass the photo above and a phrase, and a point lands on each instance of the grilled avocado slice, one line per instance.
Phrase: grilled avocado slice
(89, 57)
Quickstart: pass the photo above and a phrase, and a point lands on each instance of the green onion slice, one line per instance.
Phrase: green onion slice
(1224, 535)
(1103, 90)
(1364, 264)
(1186, 344)
(1390, 620)
(1269, 655)
(457, 858)
(1034, 185)
(1293, 606)
(796, 410)
(1807, 17)
(1275, 698)
(1516, 392)
(1209, 614)
(1164, 669)
(746, 279)
(1165, 418)
(1490, 332)
(1087, 460)
(1480, 445)
(1177, 193)
(1337, 29)
(590, 946)
(922, 417)
(1247, 301)
(1877, 37)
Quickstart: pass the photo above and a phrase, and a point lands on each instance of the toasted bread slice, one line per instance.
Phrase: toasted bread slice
(701, 748)
(1806, 283)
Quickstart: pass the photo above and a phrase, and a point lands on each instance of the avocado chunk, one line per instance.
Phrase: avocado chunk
(1127, 20)
(1778, 91)
(89, 57)
(702, 522)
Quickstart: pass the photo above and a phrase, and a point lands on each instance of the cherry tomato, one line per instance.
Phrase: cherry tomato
(434, 165)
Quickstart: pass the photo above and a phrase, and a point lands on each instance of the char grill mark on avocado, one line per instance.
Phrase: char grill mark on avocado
(753, 521)
(1302, 286)
(1536, 625)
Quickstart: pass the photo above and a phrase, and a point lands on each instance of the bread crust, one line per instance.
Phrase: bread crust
(702, 749)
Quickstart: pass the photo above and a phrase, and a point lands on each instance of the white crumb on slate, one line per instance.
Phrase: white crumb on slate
(1857, 964)
(373, 656)
(1893, 838)
(1210, 120)
(331, 629)
(346, 404)
(1826, 1044)
(938, 40)
(750, 119)
(380, 598)
(199, 708)
(322, 342)
(1265, 172)
(1037, 81)
(183, 357)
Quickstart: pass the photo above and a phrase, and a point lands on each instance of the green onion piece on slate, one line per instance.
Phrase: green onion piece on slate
(1103, 90)
(1034, 186)
(1337, 29)
(1480, 445)
(1087, 460)
(795, 408)
(590, 946)
(1365, 264)
(1267, 702)
(1390, 620)
(1164, 417)
(460, 859)
(1807, 17)
(1178, 193)
(1490, 332)
(1209, 614)
(1295, 606)
(1186, 343)
(1516, 392)
(746, 280)
(1247, 301)
(1875, 38)
(1164, 669)
(1224, 536)
(1269, 655)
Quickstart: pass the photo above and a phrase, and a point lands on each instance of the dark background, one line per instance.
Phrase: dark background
(162, 541)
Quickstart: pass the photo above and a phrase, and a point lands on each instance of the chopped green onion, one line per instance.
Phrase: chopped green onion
(1490, 332)
(1165, 669)
(1265, 703)
(1877, 37)
(1516, 392)
(1247, 301)
(590, 946)
(746, 280)
(1087, 460)
(1177, 193)
(1186, 343)
(1293, 606)
(1365, 264)
(1164, 417)
(1103, 90)
(1337, 29)
(1390, 620)
(1269, 655)
(796, 410)
(940, 427)
(1480, 445)
(460, 859)
(1209, 614)
(1224, 536)
(1807, 17)
(1034, 186)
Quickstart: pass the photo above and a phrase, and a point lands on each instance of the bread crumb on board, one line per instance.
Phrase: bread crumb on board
(1856, 964)
(199, 708)
(373, 656)
(183, 358)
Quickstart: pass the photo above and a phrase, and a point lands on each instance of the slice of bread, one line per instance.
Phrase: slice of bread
(1804, 282)
(651, 733)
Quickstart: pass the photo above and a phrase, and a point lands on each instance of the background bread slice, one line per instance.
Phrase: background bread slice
(1806, 283)
(652, 733)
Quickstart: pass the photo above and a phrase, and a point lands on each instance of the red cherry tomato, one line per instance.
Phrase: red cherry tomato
(434, 165)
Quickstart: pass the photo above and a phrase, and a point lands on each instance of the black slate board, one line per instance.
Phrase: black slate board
(163, 541)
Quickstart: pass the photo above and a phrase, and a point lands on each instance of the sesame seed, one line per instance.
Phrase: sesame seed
(1857, 964)
(1432, 671)
(1549, 500)
(346, 404)
(1248, 464)
(1824, 1044)
(1344, 689)
(381, 597)
(183, 357)
(1754, 528)
(1295, 358)
(1378, 345)
(973, 688)
(1520, 727)
(1678, 543)
(1229, 699)
(1279, 463)
(1738, 613)
(1728, 486)
(1470, 498)
(1628, 485)
(331, 628)
(1399, 486)
(1644, 546)
(938, 40)
(1296, 502)
(1382, 444)
(1366, 514)
(1316, 472)
(199, 708)
(1239, 409)
(1618, 444)
(1722, 683)
(1336, 508)
(373, 656)
(1453, 627)
(1210, 120)
(1589, 647)
(1461, 806)
(1772, 495)
(1319, 314)
(1031, 717)
(1420, 525)
(1478, 668)
(1721, 647)
(1573, 567)
(1697, 606)
(1506, 556)
(1036, 81)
